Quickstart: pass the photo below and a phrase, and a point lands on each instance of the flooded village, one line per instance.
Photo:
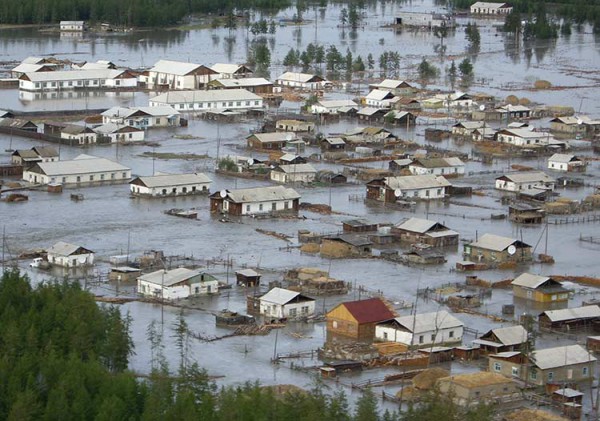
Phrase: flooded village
(348, 210)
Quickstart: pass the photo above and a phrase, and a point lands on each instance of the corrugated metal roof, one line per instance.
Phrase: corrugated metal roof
(563, 158)
(124, 112)
(392, 84)
(369, 111)
(525, 133)
(439, 162)
(212, 95)
(279, 296)
(415, 182)
(416, 225)
(110, 128)
(379, 94)
(335, 141)
(561, 356)
(30, 67)
(512, 335)
(528, 177)
(488, 5)
(275, 137)
(428, 322)
(228, 68)
(167, 180)
(585, 312)
(470, 125)
(178, 68)
(337, 103)
(262, 194)
(169, 277)
(494, 242)
(298, 77)
(72, 75)
(529, 280)
(83, 164)
(63, 249)
(297, 168)
(247, 272)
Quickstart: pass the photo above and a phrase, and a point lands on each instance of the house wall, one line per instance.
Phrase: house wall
(418, 170)
(567, 128)
(273, 146)
(137, 136)
(55, 85)
(165, 191)
(81, 138)
(301, 309)
(466, 396)
(72, 261)
(542, 140)
(539, 296)
(123, 82)
(168, 293)
(516, 187)
(424, 194)
(491, 10)
(415, 237)
(421, 339)
(477, 254)
(210, 105)
(204, 287)
(79, 179)
(299, 177)
(260, 207)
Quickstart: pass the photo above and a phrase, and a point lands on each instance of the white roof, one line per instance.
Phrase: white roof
(485, 4)
(33, 60)
(335, 141)
(71, 22)
(213, 95)
(31, 68)
(262, 194)
(378, 94)
(561, 356)
(247, 272)
(169, 277)
(297, 168)
(470, 125)
(525, 133)
(124, 112)
(512, 335)
(275, 137)
(63, 249)
(166, 180)
(416, 182)
(528, 177)
(179, 68)
(416, 225)
(337, 103)
(563, 158)
(83, 164)
(392, 84)
(428, 322)
(66, 75)
(110, 128)
(279, 296)
(244, 82)
(513, 108)
(226, 68)
(586, 312)
(368, 111)
(529, 280)
(297, 77)
(494, 242)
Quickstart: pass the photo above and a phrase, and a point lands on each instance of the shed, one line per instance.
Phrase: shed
(476, 388)
(542, 289)
(247, 277)
(359, 225)
(124, 274)
(502, 339)
(418, 230)
(70, 255)
(570, 319)
(357, 319)
(526, 213)
(280, 303)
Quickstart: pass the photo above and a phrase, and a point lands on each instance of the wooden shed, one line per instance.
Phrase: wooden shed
(247, 277)
(357, 319)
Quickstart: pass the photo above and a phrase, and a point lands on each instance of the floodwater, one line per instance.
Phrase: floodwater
(109, 222)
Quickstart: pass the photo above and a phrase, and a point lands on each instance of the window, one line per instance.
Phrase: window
(385, 335)
(174, 190)
(550, 376)
(585, 371)
(286, 205)
(239, 103)
(427, 193)
(197, 290)
(533, 375)
(231, 103)
(273, 206)
(421, 339)
(91, 178)
(164, 191)
(78, 179)
(335, 324)
(304, 309)
(112, 176)
(64, 179)
(293, 312)
(193, 189)
(247, 102)
(260, 207)
(247, 208)
(451, 334)
(515, 371)
(124, 175)
(255, 102)
(433, 338)
(184, 190)
(497, 366)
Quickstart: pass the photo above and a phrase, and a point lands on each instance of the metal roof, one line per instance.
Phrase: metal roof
(275, 137)
(212, 95)
(299, 77)
(34, 60)
(561, 356)
(73, 75)
(30, 67)
(124, 112)
(82, 164)
(567, 392)
(563, 158)
(428, 322)
(585, 312)
(76, 129)
(379, 94)
(356, 240)
(529, 280)
(167, 180)
(392, 84)
(416, 225)
(178, 68)
(262, 194)
(525, 133)
(335, 141)
(247, 272)
(528, 177)
(110, 128)
(169, 277)
(438, 162)
(228, 68)
(415, 182)
(494, 242)
(336, 103)
(512, 335)
(370, 111)
(243, 82)
(368, 311)
(488, 5)
(64, 249)
(296, 168)
(281, 296)
(470, 125)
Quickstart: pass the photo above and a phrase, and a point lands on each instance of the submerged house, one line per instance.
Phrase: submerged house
(176, 284)
(541, 289)
(392, 189)
(488, 8)
(69, 255)
(473, 389)
(503, 339)
(142, 117)
(258, 200)
(492, 248)
(356, 320)
(168, 74)
(452, 166)
(164, 185)
(523, 181)
(306, 81)
(566, 162)
(570, 319)
(209, 100)
(294, 173)
(417, 230)
(421, 330)
(271, 141)
(282, 303)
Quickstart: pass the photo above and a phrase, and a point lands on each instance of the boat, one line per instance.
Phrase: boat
(233, 319)
(182, 213)
(77, 197)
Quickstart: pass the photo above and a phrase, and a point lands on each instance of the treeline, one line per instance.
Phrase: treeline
(123, 12)
(62, 357)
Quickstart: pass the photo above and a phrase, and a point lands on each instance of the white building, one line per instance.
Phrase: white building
(294, 173)
(69, 255)
(72, 25)
(487, 8)
(255, 201)
(379, 98)
(426, 187)
(231, 71)
(113, 133)
(217, 99)
(524, 137)
(332, 106)
(24, 68)
(285, 304)
(397, 87)
(566, 162)
(524, 181)
(179, 75)
(142, 117)
(437, 166)
(427, 329)
(429, 20)
(176, 284)
(77, 79)
(83, 170)
(455, 100)
(170, 185)
(302, 80)
(80, 135)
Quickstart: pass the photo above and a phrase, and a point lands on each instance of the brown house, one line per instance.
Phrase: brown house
(541, 289)
(357, 319)
(492, 248)
(570, 319)
(417, 230)
(270, 141)
(359, 225)
(503, 339)
(474, 388)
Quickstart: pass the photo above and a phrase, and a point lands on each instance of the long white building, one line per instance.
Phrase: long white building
(170, 185)
(77, 79)
(179, 75)
(235, 99)
(142, 117)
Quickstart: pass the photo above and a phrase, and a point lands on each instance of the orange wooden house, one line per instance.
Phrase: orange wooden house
(357, 319)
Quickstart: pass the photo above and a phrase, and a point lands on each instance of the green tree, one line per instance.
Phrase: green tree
(466, 69)
(344, 16)
(472, 34)
(452, 74)
(366, 407)
(427, 70)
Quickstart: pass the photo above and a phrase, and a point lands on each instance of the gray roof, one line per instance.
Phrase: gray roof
(369, 111)
(512, 335)
(561, 356)
(427, 322)
(64, 249)
(275, 137)
(247, 272)
(262, 194)
(563, 158)
(279, 296)
(76, 129)
(525, 133)
(228, 68)
(169, 277)
(470, 125)
(528, 177)
(529, 280)
(485, 4)
(337, 103)
(244, 82)
(82, 164)
(392, 84)
(212, 95)
(494, 242)
(34, 60)
(166, 180)
(125, 112)
(297, 77)
(296, 168)
(415, 182)
(335, 141)
(110, 128)
(586, 312)
(30, 67)
(178, 68)
(438, 162)
(418, 225)
(73, 75)
(379, 94)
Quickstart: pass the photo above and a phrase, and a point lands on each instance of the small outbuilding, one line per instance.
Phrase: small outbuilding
(357, 319)
(541, 289)
(70, 255)
(417, 230)
(247, 277)
(280, 303)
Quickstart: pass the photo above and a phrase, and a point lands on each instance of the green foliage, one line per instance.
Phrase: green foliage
(436, 406)
(472, 34)
(292, 58)
(465, 68)
(452, 74)
(390, 117)
(227, 164)
(366, 407)
(389, 63)
(427, 70)
(540, 27)
(512, 23)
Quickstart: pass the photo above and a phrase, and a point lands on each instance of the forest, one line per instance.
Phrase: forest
(63, 357)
